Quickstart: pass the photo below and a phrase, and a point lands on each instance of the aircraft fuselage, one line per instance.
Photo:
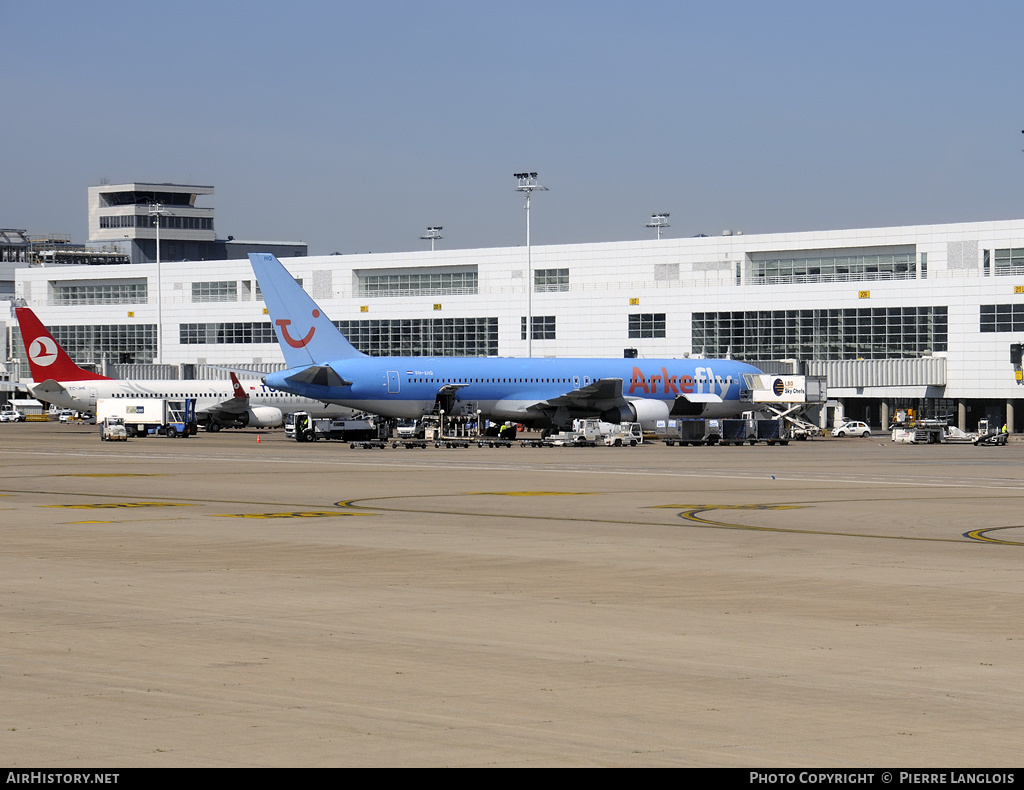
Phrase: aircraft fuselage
(503, 388)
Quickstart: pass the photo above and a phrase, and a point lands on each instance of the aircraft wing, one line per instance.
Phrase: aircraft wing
(602, 396)
(229, 406)
(234, 405)
(599, 396)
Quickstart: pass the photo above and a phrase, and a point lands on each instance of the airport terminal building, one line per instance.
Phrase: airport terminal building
(919, 316)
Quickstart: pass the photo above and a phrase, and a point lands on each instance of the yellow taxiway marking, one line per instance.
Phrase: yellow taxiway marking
(296, 514)
(982, 535)
(110, 474)
(102, 505)
(529, 493)
(690, 513)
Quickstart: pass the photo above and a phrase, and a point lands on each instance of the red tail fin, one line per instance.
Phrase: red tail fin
(46, 358)
(239, 392)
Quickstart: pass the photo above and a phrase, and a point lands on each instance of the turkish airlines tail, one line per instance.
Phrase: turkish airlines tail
(46, 359)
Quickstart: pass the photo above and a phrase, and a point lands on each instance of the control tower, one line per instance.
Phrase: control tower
(125, 215)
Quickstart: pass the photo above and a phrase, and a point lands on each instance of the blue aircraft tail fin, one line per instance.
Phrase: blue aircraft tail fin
(305, 334)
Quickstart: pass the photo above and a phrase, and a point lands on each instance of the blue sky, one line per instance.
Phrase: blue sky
(354, 126)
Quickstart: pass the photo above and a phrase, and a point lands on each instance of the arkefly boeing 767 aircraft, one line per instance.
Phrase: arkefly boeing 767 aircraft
(540, 393)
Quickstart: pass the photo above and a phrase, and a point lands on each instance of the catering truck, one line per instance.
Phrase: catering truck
(145, 416)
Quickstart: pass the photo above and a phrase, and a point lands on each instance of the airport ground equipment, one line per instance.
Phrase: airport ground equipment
(623, 434)
(409, 429)
(410, 434)
(694, 432)
(112, 430)
(311, 429)
(181, 419)
(990, 435)
(751, 430)
(145, 416)
(908, 428)
(789, 398)
(592, 432)
(494, 441)
(451, 431)
(995, 439)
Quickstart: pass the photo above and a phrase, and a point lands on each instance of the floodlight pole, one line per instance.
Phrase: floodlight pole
(156, 210)
(528, 184)
(433, 234)
(658, 221)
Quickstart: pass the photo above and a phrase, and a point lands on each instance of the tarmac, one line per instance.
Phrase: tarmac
(223, 601)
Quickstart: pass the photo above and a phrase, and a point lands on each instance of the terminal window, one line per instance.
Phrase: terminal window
(226, 333)
(424, 337)
(852, 333)
(219, 291)
(99, 293)
(1009, 261)
(547, 280)
(1002, 318)
(543, 327)
(118, 343)
(647, 324)
(378, 284)
(831, 267)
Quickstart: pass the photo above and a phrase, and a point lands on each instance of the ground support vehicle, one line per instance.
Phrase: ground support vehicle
(491, 441)
(791, 398)
(410, 429)
(989, 435)
(447, 431)
(909, 429)
(410, 444)
(623, 434)
(694, 432)
(368, 444)
(309, 429)
(181, 419)
(457, 444)
(593, 432)
(145, 416)
(995, 439)
(112, 430)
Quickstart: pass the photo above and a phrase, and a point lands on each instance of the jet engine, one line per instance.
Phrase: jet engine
(648, 412)
(261, 417)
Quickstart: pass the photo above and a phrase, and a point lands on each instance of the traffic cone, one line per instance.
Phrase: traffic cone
(257, 438)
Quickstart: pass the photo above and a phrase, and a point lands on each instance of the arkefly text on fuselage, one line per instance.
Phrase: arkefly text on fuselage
(541, 393)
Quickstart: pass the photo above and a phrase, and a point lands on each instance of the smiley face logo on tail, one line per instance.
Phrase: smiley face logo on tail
(291, 341)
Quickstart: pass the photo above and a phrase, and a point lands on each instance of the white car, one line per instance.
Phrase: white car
(852, 429)
(11, 416)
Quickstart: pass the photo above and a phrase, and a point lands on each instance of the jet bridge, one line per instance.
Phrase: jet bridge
(790, 398)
